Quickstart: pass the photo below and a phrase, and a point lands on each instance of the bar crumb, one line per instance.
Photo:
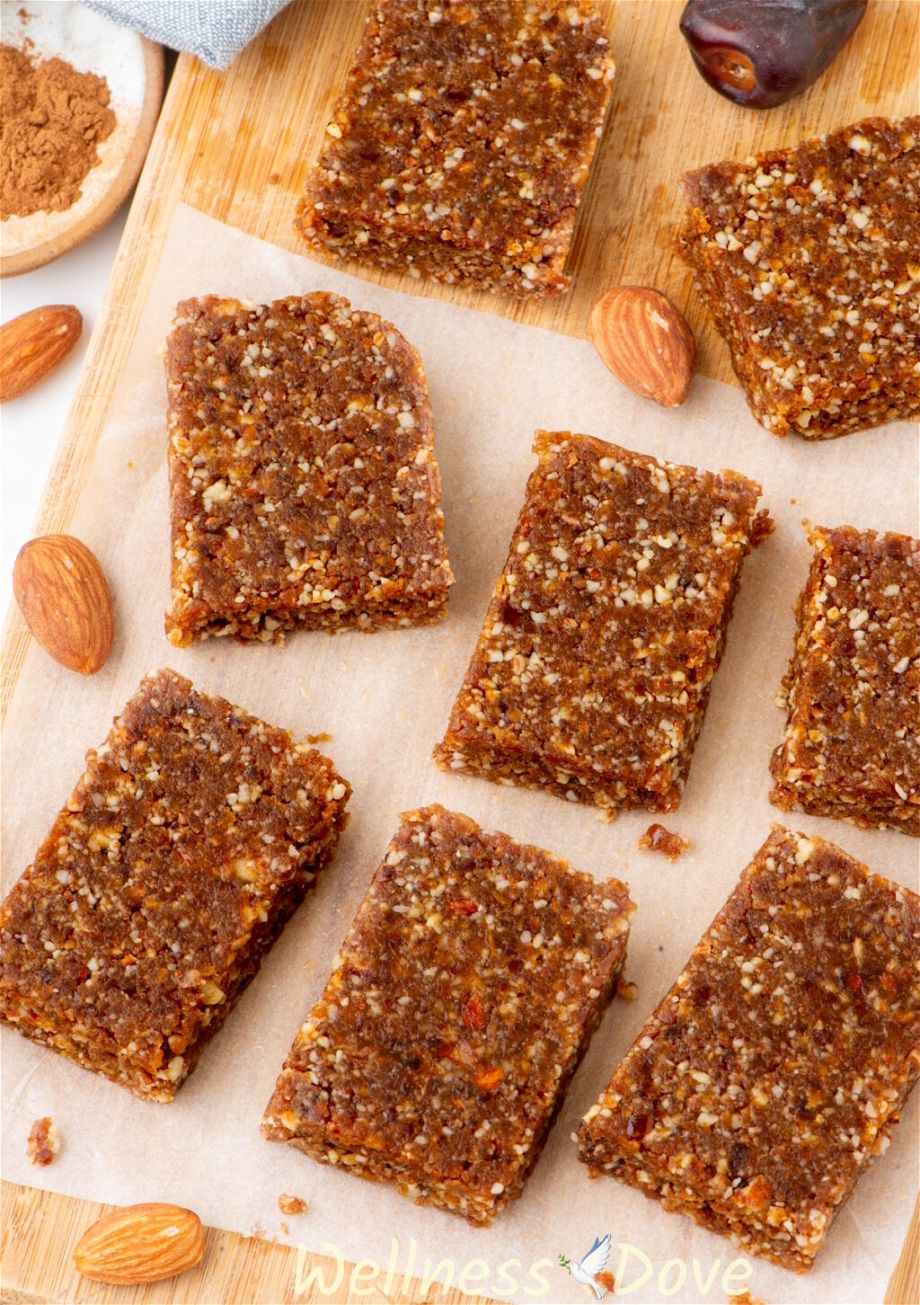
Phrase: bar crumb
(44, 1141)
(658, 839)
(292, 1204)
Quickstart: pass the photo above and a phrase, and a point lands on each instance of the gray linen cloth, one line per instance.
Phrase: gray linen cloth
(215, 30)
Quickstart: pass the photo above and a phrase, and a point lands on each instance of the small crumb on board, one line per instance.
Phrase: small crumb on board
(44, 1141)
(319, 738)
(627, 990)
(658, 839)
(292, 1204)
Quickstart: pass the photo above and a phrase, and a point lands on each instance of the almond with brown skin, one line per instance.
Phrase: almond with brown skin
(141, 1243)
(33, 344)
(645, 342)
(63, 596)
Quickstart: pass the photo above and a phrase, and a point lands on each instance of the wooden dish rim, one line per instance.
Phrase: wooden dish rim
(27, 260)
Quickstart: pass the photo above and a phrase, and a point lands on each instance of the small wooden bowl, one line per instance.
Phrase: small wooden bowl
(133, 66)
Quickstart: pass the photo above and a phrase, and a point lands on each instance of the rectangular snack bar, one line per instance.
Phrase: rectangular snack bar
(593, 669)
(463, 997)
(852, 691)
(771, 1074)
(303, 480)
(809, 261)
(462, 141)
(188, 842)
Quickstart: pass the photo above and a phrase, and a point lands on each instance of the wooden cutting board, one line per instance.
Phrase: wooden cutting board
(40, 1230)
(237, 146)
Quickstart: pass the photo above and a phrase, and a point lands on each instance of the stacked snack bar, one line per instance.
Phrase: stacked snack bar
(303, 481)
(462, 140)
(852, 741)
(464, 995)
(770, 1075)
(809, 261)
(189, 841)
(593, 669)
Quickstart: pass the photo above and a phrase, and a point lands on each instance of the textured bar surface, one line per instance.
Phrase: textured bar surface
(593, 669)
(770, 1075)
(809, 261)
(188, 842)
(464, 995)
(303, 481)
(462, 140)
(852, 691)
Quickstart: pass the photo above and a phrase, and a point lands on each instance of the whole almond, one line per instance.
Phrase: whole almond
(141, 1243)
(33, 344)
(645, 342)
(63, 596)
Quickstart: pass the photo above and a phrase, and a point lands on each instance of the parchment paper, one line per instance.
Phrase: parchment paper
(385, 699)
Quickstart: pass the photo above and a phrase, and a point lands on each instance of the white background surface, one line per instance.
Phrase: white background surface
(32, 425)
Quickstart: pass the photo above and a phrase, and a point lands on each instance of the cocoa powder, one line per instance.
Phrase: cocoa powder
(53, 119)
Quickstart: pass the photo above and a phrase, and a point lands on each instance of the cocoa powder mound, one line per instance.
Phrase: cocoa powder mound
(52, 120)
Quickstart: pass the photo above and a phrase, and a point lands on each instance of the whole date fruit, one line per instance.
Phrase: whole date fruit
(763, 52)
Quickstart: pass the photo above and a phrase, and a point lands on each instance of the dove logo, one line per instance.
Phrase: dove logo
(591, 1270)
(586, 1269)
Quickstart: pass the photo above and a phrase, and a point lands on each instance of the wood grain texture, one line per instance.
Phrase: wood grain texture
(904, 1287)
(40, 1230)
(237, 146)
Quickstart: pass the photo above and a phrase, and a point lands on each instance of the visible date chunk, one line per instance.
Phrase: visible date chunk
(763, 54)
